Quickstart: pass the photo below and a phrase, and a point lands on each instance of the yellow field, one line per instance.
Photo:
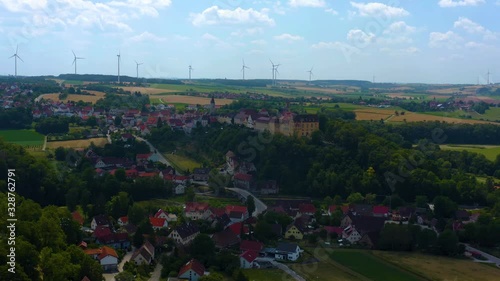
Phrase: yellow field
(192, 100)
(148, 91)
(77, 143)
(76, 98)
(416, 117)
(373, 114)
(441, 268)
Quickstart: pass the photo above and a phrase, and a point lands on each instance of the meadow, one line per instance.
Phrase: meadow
(490, 151)
(100, 142)
(440, 268)
(417, 117)
(181, 162)
(176, 99)
(73, 97)
(266, 275)
(23, 137)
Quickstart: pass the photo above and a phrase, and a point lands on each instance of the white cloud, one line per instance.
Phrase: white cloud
(307, 3)
(474, 45)
(401, 51)
(474, 28)
(144, 7)
(22, 5)
(147, 37)
(453, 3)
(332, 11)
(215, 15)
(289, 37)
(359, 37)
(448, 40)
(399, 27)
(375, 9)
(247, 32)
(259, 42)
(210, 37)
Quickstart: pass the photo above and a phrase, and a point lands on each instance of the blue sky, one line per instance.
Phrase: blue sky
(432, 41)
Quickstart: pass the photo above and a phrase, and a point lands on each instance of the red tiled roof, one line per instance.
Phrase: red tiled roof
(249, 256)
(107, 251)
(333, 229)
(157, 222)
(101, 231)
(124, 219)
(307, 208)
(235, 208)
(243, 177)
(380, 210)
(196, 206)
(160, 211)
(148, 175)
(77, 217)
(236, 228)
(344, 208)
(194, 265)
(255, 246)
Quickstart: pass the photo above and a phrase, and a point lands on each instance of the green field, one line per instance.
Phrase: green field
(369, 266)
(73, 82)
(266, 275)
(492, 114)
(181, 162)
(490, 151)
(22, 137)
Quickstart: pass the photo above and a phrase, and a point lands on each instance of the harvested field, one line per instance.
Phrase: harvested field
(77, 143)
(416, 117)
(76, 98)
(373, 114)
(192, 100)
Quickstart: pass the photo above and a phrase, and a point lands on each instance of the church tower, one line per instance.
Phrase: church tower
(212, 105)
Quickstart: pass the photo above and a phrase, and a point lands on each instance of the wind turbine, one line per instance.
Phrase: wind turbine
(243, 69)
(190, 69)
(488, 77)
(118, 66)
(137, 68)
(75, 59)
(15, 56)
(275, 70)
(310, 73)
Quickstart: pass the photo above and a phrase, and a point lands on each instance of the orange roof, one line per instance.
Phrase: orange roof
(194, 265)
(157, 222)
(77, 217)
(107, 251)
(92, 251)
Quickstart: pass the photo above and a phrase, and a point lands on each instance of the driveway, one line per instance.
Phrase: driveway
(156, 274)
(161, 158)
(126, 258)
(283, 267)
(260, 207)
(491, 258)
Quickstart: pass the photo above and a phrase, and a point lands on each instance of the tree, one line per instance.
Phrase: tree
(203, 248)
(263, 231)
(426, 239)
(125, 276)
(447, 243)
(250, 205)
(60, 153)
(120, 174)
(355, 198)
(71, 90)
(444, 207)
(118, 205)
(421, 201)
(118, 121)
(213, 276)
(159, 123)
(136, 214)
(190, 195)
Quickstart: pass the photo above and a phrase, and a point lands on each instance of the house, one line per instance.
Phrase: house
(184, 180)
(248, 245)
(330, 230)
(201, 174)
(247, 259)
(307, 209)
(287, 251)
(369, 239)
(462, 215)
(196, 210)
(158, 223)
(380, 211)
(351, 234)
(117, 240)
(179, 189)
(225, 239)
(192, 270)
(123, 221)
(99, 220)
(238, 228)
(237, 213)
(333, 208)
(107, 257)
(184, 233)
(356, 226)
(145, 254)
(294, 231)
(268, 187)
(244, 181)
(361, 209)
(161, 214)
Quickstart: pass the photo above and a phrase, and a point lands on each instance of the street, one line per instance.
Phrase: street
(161, 158)
(486, 255)
(260, 207)
(283, 267)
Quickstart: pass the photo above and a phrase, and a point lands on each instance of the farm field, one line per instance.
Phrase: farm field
(490, 151)
(266, 275)
(191, 100)
(373, 113)
(369, 266)
(76, 98)
(77, 143)
(440, 268)
(181, 162)
(22, 137)
(148, 90)
(416, 117)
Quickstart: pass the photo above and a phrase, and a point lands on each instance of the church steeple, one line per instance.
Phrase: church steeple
(212, 105)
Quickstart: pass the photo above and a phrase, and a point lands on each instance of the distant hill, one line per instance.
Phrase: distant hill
(112, 78)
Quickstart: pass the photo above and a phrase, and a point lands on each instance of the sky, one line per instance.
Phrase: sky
(404, 41)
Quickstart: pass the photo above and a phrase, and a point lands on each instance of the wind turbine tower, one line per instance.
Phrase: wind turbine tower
(275, 71)
(15, 56)
(243, 69)
(310, 74)
(190, 69)
(137, 68)
(118, 66)
(488, 77)
(75, 59)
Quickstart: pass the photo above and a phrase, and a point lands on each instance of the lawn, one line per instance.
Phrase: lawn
(100, 142)
(440, 268)
(181, 162)
(22, 137)
(490, 151)
(266, 275)
(367, 265)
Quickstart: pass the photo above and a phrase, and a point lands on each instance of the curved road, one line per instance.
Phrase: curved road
(161, 158)
(486, 255)
(283, 267)
(260, 207)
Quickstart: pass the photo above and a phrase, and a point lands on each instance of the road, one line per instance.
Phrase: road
(486, 255)
(126, 258)
(161, 158)
(260, 207)
(156, 274)
(283, 267)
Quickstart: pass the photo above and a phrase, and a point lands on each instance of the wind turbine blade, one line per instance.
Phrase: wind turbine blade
(19, 58)
(73, 53)
(17, 47)
(12, 56)
(74, 61)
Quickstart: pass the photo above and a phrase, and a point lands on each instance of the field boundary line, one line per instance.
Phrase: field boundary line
(344, 268)
(416, 273)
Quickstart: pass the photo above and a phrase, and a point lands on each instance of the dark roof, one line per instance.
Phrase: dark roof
(224, 220)
(374, 235)
(113, 238)
(366, 224)
(129, 228)
(286, 247)
(225, 238)
(247, 245)
(101, 220)
(201, 171)
(194, 265)
(462, 214)
(305, 118)
(187, 229)
(235, 215)
(362, 209)
(143, 252)
(249, 256)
